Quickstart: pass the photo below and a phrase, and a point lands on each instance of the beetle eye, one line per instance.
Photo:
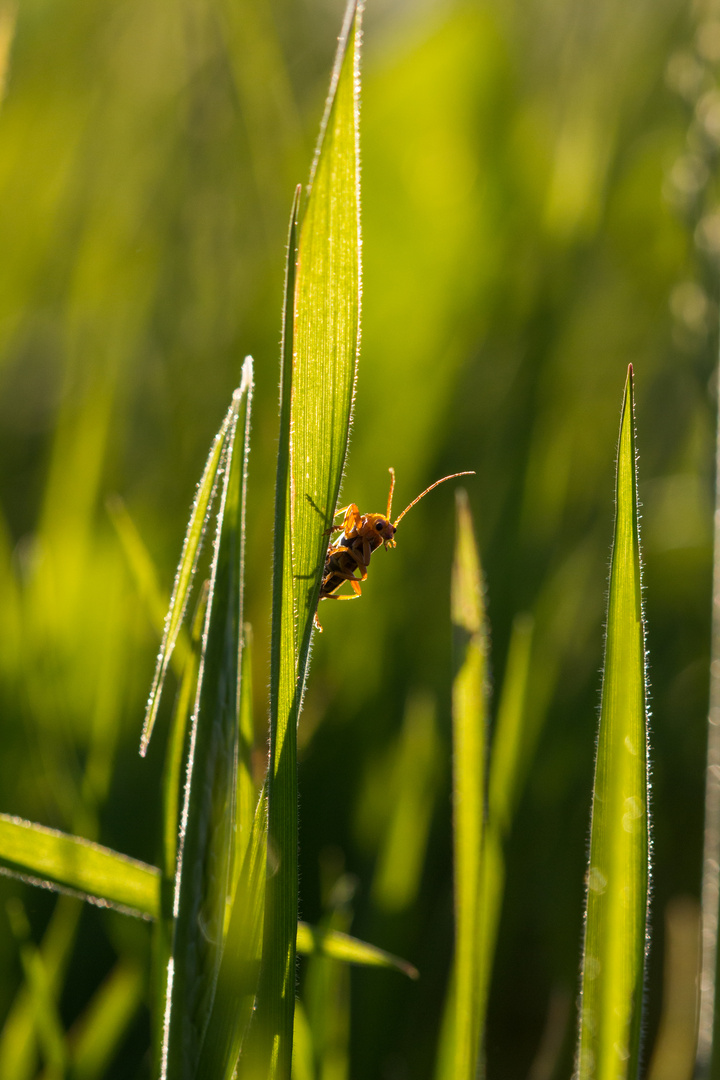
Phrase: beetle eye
(379, 525)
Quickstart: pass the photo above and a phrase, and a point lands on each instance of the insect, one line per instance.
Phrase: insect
(360, 535)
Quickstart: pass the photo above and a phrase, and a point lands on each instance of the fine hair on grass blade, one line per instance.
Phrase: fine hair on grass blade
(613, 962)
(204, 862)
(319, 360)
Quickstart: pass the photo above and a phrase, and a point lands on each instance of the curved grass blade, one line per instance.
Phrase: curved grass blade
(464, 1024)
(319, 358)
(338, 946)
(204, 864)
(197, 526)
(57, 861)
(613, 963)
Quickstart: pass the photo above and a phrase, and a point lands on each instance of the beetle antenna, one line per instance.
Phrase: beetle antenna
(468, 472)
(392, 488)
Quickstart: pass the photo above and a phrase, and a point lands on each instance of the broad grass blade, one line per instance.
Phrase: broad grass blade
(55, 860)
(613, 965)
(319, 357)
(204, 863)
(469, 697)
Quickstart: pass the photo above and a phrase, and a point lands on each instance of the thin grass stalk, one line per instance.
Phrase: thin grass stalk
(470, 716)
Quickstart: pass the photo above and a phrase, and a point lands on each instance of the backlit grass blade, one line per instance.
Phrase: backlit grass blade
(240, 964)
(95, 1038)
(204, 863)
(415, 782)
(469, 700)
(144, 575)
(55, 860)
(246, 798)
(192, 543)
(18, 1049)
(49, 1026)
(338, 946)
(613, 964)
(319, 356)
(507, 759)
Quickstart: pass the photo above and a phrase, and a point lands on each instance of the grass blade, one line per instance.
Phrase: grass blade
(18, 1043)
(469, 752)
(613, 964)
(190, 554)
(204, 864)
(55, 860)
(48, 1024)
(339, 946)
(507, 767)
(95, 1038)
(319, 356)
(240, 965)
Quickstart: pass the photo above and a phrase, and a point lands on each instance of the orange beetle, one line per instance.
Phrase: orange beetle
(361, 534)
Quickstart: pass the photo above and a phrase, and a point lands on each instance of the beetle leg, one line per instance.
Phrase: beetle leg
(346, 577)
(347, 596)
(353, 519)
(362, 564)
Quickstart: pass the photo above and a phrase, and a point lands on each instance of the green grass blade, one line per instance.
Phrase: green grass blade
(18, 1044)
(172, 772)
(204, 863)
(55, 860)
(246, 797)
(507, 761)
(469, 751)
(303, 1063)
(617, 881)
(707, 1066)
(49, 1026)
(240, 965)
(95, 1038)
(325, 332)
(187, 566)
(338, 946)
(415, 783)
(144, 574)
(320, 341)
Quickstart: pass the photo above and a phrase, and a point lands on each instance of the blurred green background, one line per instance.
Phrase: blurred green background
(539, 210)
